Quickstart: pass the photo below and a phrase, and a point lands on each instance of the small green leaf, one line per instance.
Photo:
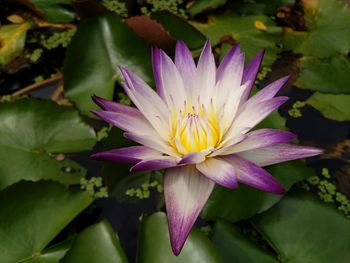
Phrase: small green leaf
(32, 214)
(335, 107)
(99, 46)
(52, 254)
(12, 41)
(244, 202)
(96, 244)
(32, 132)
(254, 33)
(203, 5)
(55, 11)
(232, 244)
(154, 244)
(180, 29)
(303, 229)
(329, 75)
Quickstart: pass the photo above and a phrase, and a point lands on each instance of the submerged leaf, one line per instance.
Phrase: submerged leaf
(335, 107)
(12, 41)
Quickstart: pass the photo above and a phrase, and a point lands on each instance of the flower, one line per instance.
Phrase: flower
(198, 126)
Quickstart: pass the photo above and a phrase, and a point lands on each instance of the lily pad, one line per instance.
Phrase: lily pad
(99, 46)
(335, 107)
(33, 136)
(231, 243)
(98, 243)
(254, 33)
(328, 31)
(12, 41)
(154, 244)
(32, 214)
(303, 229)
(329, 75)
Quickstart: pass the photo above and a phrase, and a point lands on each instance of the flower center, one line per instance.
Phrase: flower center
(194, 131)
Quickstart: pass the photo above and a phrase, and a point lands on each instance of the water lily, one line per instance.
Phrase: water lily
(198, 126)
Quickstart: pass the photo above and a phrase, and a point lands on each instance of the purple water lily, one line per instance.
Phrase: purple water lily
(198, 126)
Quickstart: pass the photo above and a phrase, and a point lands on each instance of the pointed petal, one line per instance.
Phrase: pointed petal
(193, 158)
(228, 58)
(250, 73)
(250, 174)
(259, 138)
(230, 90)
(157, 163)
(131, 154)
(278, 153)
(152, 142)
(268, 92)
(185, 64)
(186, 191)
(125, 122)
(147, 101)
(252, 115)
(219, 171)
(168, 80)
(113, 106)
(206, 75)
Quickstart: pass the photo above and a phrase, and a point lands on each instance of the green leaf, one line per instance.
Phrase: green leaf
(232, 244)
(335, 107)
(258, 6)
(32, 214)
(329, 75)
(52, 254)
(244, 202)
(55, 11)
(180, 29)
(12, 41)
(96, 244)
(32, 132)
(328, 31)
(154, 244)
(245, 30)
(203, 5)
(99, 46)
(303, 229)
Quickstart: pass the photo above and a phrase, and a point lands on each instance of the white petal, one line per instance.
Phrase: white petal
(186, 191)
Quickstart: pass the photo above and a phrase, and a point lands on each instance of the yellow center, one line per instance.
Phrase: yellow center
(194, 130)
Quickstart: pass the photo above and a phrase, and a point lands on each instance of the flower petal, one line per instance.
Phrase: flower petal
(131, 154)
(157, 163)
(250, 174)
(152, 142)
(219, 171)
(278, 153)
(147, 101)
(227, 60)
(185, 64)
(113, 106)
(186, 191)
(193, 158)
(268, 92)
(206, 74)
(259, 138)
(125, 122)
(168, 80)
(251, 116)
(250, 73)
